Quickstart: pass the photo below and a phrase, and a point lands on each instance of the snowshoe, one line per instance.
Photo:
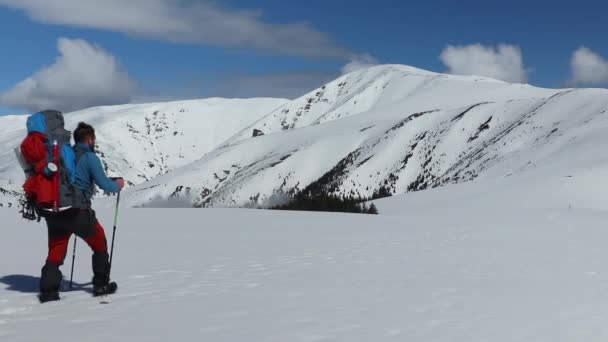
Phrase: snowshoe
(104, 290)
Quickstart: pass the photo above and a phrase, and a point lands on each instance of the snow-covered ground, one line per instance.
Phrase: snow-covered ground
(521, 258)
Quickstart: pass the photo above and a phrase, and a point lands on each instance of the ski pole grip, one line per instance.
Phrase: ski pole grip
(116, 179)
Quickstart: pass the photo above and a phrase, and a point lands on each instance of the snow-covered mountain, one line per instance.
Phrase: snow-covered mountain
(388, 130)
(142, 141)
(379, 131)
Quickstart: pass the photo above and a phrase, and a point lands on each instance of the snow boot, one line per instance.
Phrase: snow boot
(46, 297)
(101, 279)
(50, 280)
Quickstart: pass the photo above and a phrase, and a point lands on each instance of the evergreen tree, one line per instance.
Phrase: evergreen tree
(373, 210)
(324, 201)
(364, 208)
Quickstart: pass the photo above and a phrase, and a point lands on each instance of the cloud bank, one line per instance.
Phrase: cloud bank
(83, 76)
(588, 67)
(199, 22)
(359, 62)
(504, 62)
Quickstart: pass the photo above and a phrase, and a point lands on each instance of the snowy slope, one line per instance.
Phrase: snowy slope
(516, 259)
(142, 141)
(380, 131)
(389, 86)
(389, 130)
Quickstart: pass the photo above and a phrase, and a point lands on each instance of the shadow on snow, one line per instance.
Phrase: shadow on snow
(30, 284)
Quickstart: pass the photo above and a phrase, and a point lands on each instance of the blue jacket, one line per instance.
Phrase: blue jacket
(89, 172)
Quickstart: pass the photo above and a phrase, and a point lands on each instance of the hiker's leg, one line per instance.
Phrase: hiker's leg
(100, 259)
(58, 247)
(58, 240)
(93, 234)
(98, 241)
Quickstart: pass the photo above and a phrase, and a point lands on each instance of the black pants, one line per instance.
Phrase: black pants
(83, 224)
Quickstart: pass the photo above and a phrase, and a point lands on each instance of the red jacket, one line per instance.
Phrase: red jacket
(38, 188)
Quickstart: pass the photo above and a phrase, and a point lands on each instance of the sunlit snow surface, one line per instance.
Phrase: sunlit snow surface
(509, 260)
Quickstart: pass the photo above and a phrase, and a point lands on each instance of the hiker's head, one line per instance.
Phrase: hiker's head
(84, 134)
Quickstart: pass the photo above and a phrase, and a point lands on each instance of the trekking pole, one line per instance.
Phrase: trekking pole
(114, 232)
(73, 259)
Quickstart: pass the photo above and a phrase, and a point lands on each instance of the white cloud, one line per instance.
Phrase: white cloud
(82, 76)
(202, 21)
(359, 62)
(588, 67)
(504, 62)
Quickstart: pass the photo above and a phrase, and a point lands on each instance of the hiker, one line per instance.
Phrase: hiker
(88, 172)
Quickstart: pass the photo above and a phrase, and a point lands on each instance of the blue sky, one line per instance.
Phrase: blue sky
(168, 49)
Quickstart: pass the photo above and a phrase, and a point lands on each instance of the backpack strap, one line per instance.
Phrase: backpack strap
(86, 203)
(79, 153)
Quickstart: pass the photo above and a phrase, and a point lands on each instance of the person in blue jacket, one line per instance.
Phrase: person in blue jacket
(89, 172)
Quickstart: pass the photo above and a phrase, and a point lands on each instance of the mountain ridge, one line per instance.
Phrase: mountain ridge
(296, 125)
(379, 131)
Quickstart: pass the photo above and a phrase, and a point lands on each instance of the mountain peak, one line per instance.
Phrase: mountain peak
(402, 69)
(379, 131)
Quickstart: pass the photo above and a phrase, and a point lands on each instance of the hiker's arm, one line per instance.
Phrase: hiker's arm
(99, 176)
